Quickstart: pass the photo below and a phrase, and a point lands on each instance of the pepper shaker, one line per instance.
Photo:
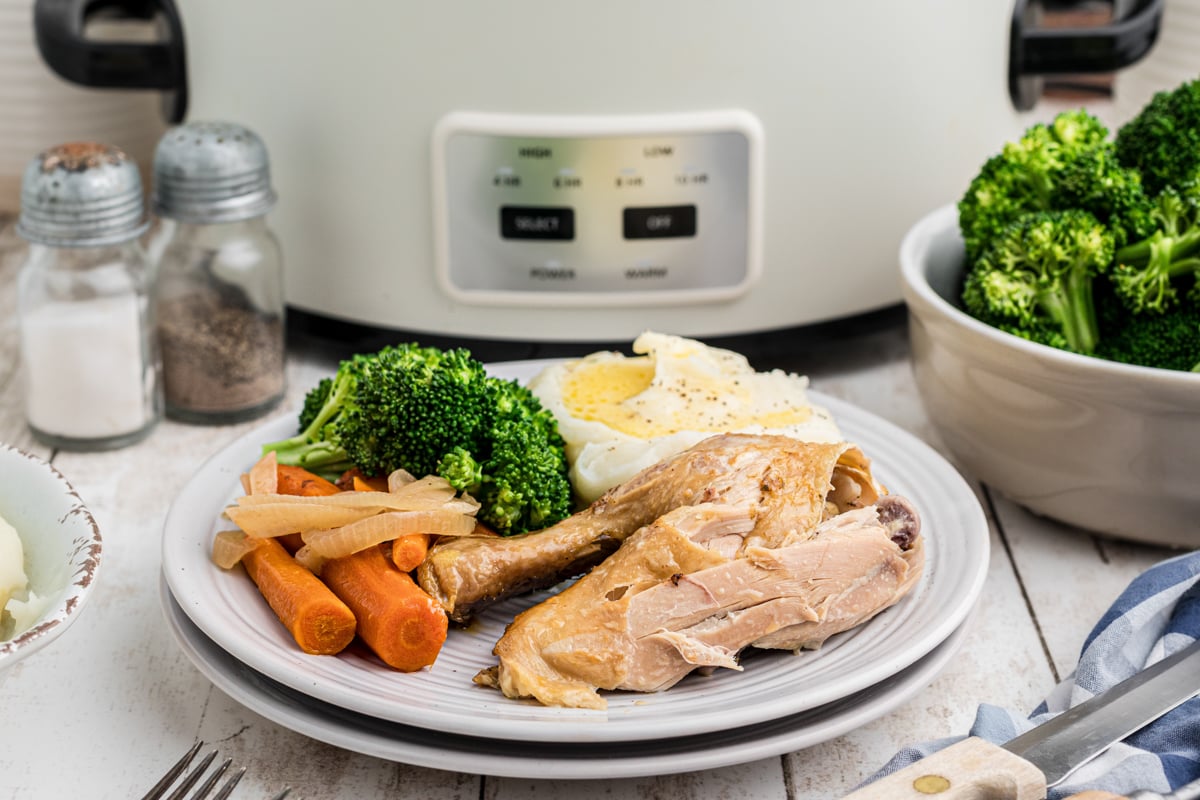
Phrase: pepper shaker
(219, 285)
(84, 305)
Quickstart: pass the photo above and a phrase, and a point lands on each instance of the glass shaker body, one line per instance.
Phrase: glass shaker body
(219, 291)
(90, 361)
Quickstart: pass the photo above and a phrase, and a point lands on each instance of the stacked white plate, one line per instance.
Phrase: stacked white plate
(779, 703)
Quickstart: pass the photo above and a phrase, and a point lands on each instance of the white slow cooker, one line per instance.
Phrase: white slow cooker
(544, 170)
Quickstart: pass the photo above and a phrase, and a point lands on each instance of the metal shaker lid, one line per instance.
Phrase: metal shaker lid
(210, 172)
(81, 194)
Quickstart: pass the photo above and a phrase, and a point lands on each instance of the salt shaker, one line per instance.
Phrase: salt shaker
(84, 305)
(219, 283)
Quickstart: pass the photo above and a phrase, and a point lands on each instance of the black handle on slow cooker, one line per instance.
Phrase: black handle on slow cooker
(1035, 52)
(59, 31)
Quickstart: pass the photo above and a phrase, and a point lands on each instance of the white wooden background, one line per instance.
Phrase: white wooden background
(102, 711)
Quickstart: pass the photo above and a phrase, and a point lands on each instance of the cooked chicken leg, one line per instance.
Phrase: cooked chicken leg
(784, 482)
(671, 599)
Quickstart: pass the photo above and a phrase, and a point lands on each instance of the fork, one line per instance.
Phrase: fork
(159, 790)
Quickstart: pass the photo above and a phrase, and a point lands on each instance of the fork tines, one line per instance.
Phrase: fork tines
(160, 789)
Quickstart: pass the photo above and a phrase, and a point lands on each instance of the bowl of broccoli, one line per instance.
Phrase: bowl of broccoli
(1055, 320)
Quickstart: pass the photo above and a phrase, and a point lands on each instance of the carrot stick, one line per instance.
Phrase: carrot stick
(350, 479)
(408, 551)
(401, 623)
(320, 623)
(298, 480)
(292, 542)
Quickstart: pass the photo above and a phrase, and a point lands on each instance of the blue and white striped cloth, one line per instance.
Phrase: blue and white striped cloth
(1157, 615)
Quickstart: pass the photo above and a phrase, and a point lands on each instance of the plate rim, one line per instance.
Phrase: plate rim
(309, 717)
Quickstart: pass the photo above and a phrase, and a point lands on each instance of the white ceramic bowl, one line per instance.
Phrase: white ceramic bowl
(62, 547)
(1108, 447)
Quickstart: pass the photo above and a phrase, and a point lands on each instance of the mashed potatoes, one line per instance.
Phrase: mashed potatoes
(621, 414)
(18, 606)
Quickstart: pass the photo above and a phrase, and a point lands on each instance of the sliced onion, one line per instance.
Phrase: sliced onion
(276, 519)
(264, 475)
(384, 527)
(308, 558)
(230, 546)
(428, 492)
(463, 505)
(416, 496)
(347, 499)
(399, 478)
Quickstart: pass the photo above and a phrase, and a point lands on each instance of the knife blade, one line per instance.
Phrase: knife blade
(1026, 766)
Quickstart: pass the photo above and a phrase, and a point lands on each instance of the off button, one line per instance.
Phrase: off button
(537, 222)
(659, 222)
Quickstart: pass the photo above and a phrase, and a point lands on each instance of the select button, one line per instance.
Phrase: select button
(530, 222)
(659, 222)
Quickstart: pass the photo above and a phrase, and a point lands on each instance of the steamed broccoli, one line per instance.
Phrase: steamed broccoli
(1170, 340)
(415, 405)
(1069, 163)
(318, 447)
(432, 411)
(519, 470)
(314, 401)
(1064, 204)
(1147, 272)
(1162, 141)
(1035, 279)
(1095, 181)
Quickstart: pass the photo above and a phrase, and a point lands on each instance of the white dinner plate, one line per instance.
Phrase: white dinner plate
(548, 760)
(227, 607)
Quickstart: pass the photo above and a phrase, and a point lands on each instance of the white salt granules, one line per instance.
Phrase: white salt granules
(83, 367)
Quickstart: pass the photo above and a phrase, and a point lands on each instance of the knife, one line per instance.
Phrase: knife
(1023, 768)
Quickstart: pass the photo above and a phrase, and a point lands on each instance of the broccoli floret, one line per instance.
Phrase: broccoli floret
(1147, 272)
(415, 405)
(1027, 176)
(1035, 280)
(1170, 340)
(314, 401)
(1162, 141)
(431, 411)
(1095, 181)
(518, 471)
(318, 447)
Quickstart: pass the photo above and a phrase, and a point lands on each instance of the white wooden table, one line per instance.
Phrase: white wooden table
(106, 708)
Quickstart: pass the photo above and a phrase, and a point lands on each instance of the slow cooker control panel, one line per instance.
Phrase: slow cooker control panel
(537, 210)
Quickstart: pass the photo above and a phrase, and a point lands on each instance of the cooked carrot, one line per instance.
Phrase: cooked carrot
(401, 623)
(298, 480)
(360, 485)
(320, 622)
(292, 542)
(350, 479)
(408, 551)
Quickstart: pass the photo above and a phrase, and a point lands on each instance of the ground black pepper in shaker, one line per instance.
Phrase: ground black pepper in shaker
(220, 276)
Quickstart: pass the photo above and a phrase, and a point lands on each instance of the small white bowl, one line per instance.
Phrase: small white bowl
(1109, 447)
(62, 547)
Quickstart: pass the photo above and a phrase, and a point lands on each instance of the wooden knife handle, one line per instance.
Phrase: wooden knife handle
(972, 769)
(968, 770)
